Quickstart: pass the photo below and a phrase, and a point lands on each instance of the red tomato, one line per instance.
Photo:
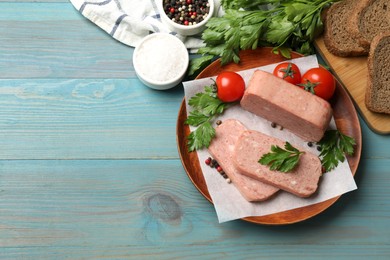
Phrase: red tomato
(289, 72)
(230, 86)
(320, 82)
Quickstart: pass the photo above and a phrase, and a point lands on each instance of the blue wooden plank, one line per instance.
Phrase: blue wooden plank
(77, 119)
(374, 145)
(142, 208)
(53, 40)
(36, 10)
(204, 251)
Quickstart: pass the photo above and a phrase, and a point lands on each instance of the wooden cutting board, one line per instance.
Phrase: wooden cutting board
(352, 73)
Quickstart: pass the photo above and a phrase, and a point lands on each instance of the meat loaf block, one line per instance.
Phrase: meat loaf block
(278, 101)
(252, 145)
(222, 148)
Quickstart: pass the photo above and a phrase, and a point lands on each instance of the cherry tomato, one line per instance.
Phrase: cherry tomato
(320, 82)
(289, 72)
(230, 86)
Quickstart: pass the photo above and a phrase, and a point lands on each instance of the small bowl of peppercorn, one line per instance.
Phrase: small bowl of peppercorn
(186, 17)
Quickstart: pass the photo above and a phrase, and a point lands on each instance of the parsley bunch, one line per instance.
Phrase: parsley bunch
(334, 146)
(206, 107)
(247, 24)
(279, 159)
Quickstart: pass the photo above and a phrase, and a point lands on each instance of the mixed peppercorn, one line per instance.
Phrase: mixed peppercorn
(186, 12)
(214, 164)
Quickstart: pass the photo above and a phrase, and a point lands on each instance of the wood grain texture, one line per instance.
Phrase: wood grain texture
(89, 167)
(140, 208)
(94, 118)
(352, 73)
(55, 41)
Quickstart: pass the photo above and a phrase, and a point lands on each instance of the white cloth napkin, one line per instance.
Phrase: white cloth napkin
(129, 21)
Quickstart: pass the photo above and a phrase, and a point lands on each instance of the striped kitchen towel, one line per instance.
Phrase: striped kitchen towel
(129, 21)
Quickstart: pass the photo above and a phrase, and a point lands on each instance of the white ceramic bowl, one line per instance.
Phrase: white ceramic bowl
(185, 29)
(160, 61)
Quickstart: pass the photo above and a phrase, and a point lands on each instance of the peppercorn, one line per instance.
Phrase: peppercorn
(213, 163)
(273, 124)
(186, 12)
(218, 122)
(208, 161)
(310, 144)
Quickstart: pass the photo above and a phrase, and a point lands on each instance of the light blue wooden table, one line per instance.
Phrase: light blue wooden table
(89, 166)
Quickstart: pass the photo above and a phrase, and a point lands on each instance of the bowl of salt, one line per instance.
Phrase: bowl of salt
(160, 61)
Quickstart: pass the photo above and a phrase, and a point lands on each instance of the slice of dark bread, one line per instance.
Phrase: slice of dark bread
(378, 82)
(337, 36)
(368, 19)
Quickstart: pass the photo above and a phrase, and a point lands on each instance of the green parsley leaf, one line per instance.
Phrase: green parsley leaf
(196, 118)
(201, 137)
(279, 159)
(206, 107)
(280, 30)
(198, 64)
(334, 146)
(207, 104)
(285, 52)
(287, 24)
(211, 90)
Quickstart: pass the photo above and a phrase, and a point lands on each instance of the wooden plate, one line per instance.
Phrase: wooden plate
(345, 116)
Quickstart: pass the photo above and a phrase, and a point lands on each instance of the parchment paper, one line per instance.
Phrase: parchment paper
(228, 202)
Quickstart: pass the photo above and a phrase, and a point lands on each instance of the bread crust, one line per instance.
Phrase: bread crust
(370, 103)
(330, 31)
(368, 94)
(353, 23)
(358, 15)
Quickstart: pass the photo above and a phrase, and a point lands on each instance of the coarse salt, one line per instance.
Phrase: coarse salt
(161, 58)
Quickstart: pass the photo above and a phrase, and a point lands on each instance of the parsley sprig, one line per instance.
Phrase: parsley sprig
(279, 159)
(206, 107)
(334, 146)
(284, 24)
